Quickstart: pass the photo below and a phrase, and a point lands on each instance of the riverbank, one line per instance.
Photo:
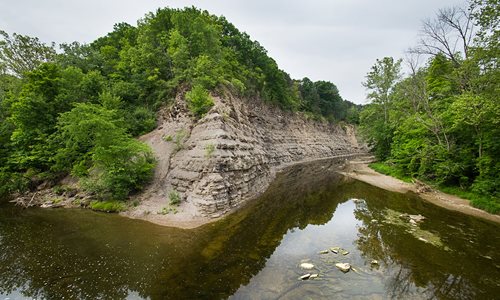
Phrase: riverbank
(186, 216)
(359, 170)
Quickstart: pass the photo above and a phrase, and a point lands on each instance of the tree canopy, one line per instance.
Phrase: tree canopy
(441, 122)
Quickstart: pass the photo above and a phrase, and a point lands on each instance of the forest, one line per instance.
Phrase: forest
(440, 122)
(76, 109)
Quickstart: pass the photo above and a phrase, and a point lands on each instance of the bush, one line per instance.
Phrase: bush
(108, 161)
(209, 150)
(119, 169)
(179, 139)
(175, 198)
(140, 121)
(199, 101)
(12, 182)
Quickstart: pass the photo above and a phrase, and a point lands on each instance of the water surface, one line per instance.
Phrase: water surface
(256, 252)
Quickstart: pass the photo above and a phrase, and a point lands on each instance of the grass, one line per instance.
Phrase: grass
(390, 170)
(487, 203)
(167, 138)
(108, 206)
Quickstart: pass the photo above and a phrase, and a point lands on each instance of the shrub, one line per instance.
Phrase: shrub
(209, 150)
(175, 198)
(199, 101)
(179, 139)
(119, 170)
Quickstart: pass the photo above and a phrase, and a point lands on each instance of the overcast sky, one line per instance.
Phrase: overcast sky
(334, 40)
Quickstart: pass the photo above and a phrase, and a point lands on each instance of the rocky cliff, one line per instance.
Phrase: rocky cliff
(230, 155)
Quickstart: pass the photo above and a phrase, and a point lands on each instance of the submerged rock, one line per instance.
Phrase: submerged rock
(306, 266)
(344, 267)
(416, 218)
(344, 252)
(335, 249)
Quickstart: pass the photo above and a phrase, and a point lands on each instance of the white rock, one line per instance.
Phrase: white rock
(344, 267)
(306, 266)
(305, 277)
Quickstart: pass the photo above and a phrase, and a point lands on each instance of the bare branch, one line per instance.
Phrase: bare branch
(450, 33)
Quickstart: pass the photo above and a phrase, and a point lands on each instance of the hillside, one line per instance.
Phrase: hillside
(70, 119)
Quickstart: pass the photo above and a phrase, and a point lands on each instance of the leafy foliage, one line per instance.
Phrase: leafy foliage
(442, 122)
(110, 163)
(199, 101)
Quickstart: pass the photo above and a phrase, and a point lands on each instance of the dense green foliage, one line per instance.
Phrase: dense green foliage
(76, 112)
(441, 123)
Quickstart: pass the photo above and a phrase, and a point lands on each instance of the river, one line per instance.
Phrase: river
(256, 252)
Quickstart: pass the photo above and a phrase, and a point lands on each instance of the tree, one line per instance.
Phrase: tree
(98, 150)
(450, 33)
(381, 80)
(20, 53)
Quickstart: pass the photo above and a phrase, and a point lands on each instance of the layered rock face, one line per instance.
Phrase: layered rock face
(233, 152)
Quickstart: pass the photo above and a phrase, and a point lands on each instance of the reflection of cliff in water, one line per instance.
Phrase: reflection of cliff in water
(81, 254)
(452, 270)
(238, 246)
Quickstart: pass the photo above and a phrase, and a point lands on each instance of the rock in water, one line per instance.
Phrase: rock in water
(374, 262)
(306, 266)
(344, 252)
(335, 249)
(313, 276)
(323, 252)
(416, 218)
(305, 277)
(344, 267)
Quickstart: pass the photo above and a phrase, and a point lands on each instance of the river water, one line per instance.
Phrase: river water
(256, 252)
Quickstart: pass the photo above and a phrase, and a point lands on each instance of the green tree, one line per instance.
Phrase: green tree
(98, 150)
(380, 82)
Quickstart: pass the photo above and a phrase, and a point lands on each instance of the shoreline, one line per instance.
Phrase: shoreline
(358, 169)
(354, 166)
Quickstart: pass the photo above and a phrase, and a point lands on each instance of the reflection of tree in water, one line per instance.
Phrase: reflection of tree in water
(417, 268)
